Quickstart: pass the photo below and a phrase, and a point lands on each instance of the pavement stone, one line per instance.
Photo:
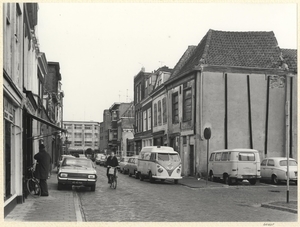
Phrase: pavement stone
(193, 182)
(58, 206)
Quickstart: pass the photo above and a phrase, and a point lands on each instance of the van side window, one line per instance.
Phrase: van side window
(218, 156)
(270, 162)
(229, 153)
(212, 157)
(142, 155)
(224, 156)
(246, 156)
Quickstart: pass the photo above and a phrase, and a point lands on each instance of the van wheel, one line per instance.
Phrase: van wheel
(211, 176)
(151, 179)
(275, 179)
(227, 179)
(141, 177)
(252, 181)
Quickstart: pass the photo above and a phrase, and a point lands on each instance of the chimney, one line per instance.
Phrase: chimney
(143, 69)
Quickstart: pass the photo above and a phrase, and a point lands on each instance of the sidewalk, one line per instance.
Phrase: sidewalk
(193, 182)
(59, 206)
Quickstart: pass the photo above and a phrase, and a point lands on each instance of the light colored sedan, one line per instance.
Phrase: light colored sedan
(275, 169)
(123, 162)
(78, 172)
(131, 166)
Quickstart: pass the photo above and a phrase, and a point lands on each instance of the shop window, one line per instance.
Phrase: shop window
(175, 114)
(187, 104)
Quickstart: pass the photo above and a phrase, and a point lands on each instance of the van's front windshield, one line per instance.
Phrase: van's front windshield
(168, 157)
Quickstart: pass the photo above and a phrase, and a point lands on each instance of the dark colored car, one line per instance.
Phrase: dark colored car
(78, 172)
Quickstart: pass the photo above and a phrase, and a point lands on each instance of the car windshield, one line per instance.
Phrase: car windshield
(77, 162)
(168, 157)
(291, 163)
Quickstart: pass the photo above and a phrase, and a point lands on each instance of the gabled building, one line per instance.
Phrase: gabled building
(239, 85)
(159, 108)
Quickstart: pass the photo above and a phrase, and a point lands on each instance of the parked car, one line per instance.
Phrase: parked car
(275, 169)
(122, 164)
(77, 171)
(131, 166)
(61, 160)
(100, 158)
(82, 156)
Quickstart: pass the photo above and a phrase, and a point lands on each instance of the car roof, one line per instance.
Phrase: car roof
(161, 149)
(279, 158)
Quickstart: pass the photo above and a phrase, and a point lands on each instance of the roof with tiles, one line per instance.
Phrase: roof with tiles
(290, 58)
(237, 49)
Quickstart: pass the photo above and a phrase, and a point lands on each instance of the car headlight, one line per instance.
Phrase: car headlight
(91, 176)
(160, 170)
(63, 175)
(178, 170)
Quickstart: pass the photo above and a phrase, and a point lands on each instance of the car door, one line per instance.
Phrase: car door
(270, 168)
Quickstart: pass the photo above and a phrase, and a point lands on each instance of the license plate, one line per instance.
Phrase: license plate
(76, 182)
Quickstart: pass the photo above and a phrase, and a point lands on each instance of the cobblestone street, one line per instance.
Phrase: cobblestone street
(137, 201)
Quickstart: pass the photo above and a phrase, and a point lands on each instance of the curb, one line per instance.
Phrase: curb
(291, 210)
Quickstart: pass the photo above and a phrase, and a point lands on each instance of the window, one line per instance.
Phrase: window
(153, 157)
(164, 106)
(264, 162)
(212, 157)
(88, 143)
(184, 140)
(145, 120)
(244, 156)
(187, 104)
(218, 156)
(77, 143)
(224, 156)
(155, 114)
(271, 162)
(291, 163)
(159, 113)
(87, 127)
(78, 127)
(77, 135)
(175, 116)
(149, 119)
(88, 135)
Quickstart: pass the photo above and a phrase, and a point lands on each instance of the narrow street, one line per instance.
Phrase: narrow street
(141, 201)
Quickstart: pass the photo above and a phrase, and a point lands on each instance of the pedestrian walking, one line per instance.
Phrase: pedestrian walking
(42, 170)
(111, 161)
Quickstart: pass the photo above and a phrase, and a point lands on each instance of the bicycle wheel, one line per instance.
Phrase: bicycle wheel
(114, 183)
(33, 187)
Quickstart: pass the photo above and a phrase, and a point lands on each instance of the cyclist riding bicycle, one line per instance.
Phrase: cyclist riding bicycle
(112, 161)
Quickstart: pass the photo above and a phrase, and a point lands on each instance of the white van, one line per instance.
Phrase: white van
(234, 165)
(159, 162)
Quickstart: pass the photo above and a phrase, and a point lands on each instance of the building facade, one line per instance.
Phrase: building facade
(81, 136)
(25, 118)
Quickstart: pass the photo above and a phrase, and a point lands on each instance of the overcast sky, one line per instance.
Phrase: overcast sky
(101, 46)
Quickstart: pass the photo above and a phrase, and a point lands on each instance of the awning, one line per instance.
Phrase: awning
(46, 122)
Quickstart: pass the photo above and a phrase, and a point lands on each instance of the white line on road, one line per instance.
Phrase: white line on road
(77, 207)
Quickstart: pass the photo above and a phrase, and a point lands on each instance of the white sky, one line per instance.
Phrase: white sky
(101, 46)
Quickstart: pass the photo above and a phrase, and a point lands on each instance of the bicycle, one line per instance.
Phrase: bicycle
(33, 184)
(113, 177)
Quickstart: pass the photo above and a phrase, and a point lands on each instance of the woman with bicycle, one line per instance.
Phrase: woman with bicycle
(112, 161)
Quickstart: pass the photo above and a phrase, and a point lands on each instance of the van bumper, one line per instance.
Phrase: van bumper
(245, 177)
(162, 177)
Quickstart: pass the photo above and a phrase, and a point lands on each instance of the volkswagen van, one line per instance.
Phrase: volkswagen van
(159, 163)
(233, 165)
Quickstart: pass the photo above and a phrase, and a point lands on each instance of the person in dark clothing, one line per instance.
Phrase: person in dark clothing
(111, 161)
(43, 168)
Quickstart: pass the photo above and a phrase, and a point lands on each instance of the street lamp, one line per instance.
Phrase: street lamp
(287, 113)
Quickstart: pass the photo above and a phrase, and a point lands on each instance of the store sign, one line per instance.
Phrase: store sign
(29, 106)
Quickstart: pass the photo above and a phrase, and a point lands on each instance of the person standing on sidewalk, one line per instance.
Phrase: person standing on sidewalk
(43, 168)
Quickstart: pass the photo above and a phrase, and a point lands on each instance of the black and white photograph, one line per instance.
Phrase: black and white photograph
(150, 113)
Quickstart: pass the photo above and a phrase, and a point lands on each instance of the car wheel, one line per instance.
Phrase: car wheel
(275, 179)
(151, 179)
(59, 186)
(252, 181)
(226, 179)
(129, 174)
(141, 177)
(136, 174)
(93, 187)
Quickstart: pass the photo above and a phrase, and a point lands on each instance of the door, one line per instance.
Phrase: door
(192, 167)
